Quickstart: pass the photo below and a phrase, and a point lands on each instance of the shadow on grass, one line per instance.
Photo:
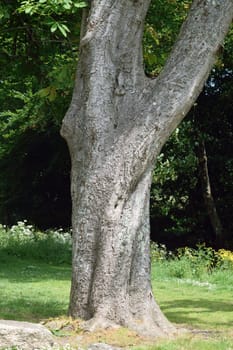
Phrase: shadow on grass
(19, 270)
(30, 310)
(32, 290)
(187, 311)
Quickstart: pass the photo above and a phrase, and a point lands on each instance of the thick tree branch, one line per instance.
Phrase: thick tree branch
(182, 79)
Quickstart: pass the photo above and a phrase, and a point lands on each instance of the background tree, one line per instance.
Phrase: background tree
(35, 91)
(178, 213)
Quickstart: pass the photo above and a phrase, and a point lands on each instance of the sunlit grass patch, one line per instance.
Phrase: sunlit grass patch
(190, 343)
(32, 290)
(200, 304)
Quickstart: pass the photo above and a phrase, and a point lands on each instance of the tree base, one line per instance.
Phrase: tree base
(97, 323)
(145, 328)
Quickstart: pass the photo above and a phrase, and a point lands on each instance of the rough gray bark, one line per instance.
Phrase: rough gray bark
(117, 123)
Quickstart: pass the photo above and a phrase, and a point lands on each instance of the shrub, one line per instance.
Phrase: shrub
(226, 258)
(159, 252)
(191, 263)
(200, 260)
(23, 240)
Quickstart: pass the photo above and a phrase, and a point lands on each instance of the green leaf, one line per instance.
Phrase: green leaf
(29, 10)
(80, 4)
(54, 27)
(49, 92)
(67, 6)
(44, 92)
(63, 29)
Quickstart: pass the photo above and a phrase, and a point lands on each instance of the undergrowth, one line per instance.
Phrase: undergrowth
(197, 263)
(24, 241)
(54, 246)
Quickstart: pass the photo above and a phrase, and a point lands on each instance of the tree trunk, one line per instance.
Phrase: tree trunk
(117, 122)
(207, 194)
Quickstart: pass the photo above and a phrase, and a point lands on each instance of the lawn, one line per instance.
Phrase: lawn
(31, 290)
(201, 305)
(36, 289)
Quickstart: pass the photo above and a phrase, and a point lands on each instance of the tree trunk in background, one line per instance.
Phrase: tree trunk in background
(207, 194)
(115, 127)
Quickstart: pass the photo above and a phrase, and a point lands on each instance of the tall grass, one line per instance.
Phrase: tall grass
(202, 263)
(24, 241)
(54, 246)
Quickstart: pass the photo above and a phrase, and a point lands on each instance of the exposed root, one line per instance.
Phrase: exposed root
(142, 316)
(150, 329)
(97, 323)
(145, 328)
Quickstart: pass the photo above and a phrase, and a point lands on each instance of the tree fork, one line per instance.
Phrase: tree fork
(117, 123)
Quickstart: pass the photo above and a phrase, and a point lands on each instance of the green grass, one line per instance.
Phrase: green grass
(191, 344)
(202, 304)
(31, 290)
(35, 284)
